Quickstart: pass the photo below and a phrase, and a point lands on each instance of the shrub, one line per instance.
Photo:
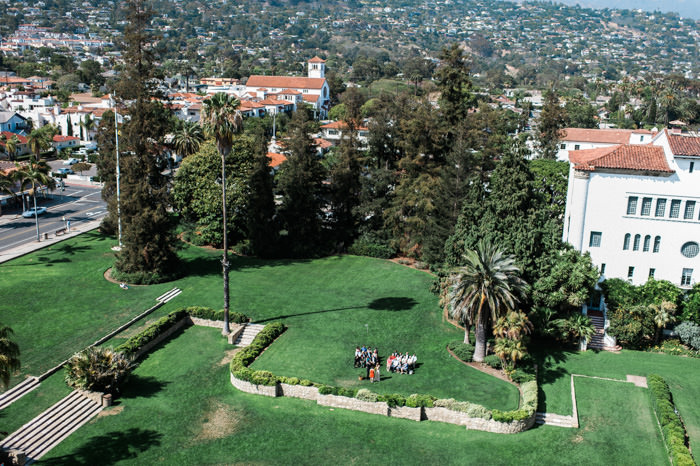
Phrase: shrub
(98, 369)
(305, 383)
(463, 351)
(470, 409)
(210, 314)
(290, 380)
(144, 278)
(420, 400)
(365, 395)
(262, 340)
(365, 247)
(150, 333)
(393, 400)
(325, 390)
(519, 376)
(529, 390)
(263, 378)
(671, 425)
(689, 333)
(510, 416)
(493, 361)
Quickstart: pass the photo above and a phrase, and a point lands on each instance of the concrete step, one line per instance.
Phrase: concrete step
(248, 334)
(17, 392)
(555, 420)
(49, 428)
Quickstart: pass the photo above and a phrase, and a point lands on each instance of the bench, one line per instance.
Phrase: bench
(60, 231)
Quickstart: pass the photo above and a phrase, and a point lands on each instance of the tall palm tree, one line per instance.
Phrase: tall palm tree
(9, 355)
(221, 121)
(488, 285)
(35, 174)
(40, 140)
(7, 185)
(188, 138)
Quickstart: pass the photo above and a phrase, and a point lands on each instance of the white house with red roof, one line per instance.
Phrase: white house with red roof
(62, 142)
(584, 138)
(636, 209)
(334, 130)
(312, 89)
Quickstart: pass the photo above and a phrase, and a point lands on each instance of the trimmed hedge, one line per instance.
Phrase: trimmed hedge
(150, 333)
(363, 247)
(245, 357)
(463, 351)
(493, 361)
(671, 426)
(393, 400)
(210, 314)
(420, 400)
(471, 409)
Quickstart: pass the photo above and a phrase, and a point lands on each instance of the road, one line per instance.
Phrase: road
(78, 204)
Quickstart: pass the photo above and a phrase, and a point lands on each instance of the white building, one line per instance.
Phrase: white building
(636, 209)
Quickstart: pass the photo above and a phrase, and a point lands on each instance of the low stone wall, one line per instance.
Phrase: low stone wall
(244, 386)
(404, 412)
(163, 336)
(344, 402)
(299, 391)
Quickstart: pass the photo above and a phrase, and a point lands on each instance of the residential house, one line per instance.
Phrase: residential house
(333, 132)
(65, 142)
(582, 138)
(22, 146)
(12, 122)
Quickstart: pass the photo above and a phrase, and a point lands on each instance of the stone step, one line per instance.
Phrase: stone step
(48, 429)
(248, 334)
(17, 392)
(555, 420)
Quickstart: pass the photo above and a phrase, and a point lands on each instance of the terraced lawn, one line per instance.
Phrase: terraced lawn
(181, 409)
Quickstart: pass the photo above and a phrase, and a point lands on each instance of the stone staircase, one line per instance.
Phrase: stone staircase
(17, 392)
(558, 420)
(248, 334)
(598, 339)
(48, 429)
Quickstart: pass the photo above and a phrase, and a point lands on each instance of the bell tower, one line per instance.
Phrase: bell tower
(317, 68)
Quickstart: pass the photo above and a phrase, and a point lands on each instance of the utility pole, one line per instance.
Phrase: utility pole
(116, 137)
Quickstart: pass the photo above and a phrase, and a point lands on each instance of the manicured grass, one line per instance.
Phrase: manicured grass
(681, 373)
(181, 409)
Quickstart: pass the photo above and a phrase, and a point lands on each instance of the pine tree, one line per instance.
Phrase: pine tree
(262, 228)
(301, 185)
(455, 85)
(550, 128)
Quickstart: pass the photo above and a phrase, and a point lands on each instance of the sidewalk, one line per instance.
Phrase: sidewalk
(53, 239)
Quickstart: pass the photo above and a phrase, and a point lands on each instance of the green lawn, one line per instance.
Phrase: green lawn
(181, 409)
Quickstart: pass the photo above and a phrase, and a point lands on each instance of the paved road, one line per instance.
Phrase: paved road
(78, 204)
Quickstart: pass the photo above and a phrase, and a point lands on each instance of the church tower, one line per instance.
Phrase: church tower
(317, 68)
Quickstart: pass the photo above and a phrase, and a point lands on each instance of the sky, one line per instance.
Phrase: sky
(686, 8)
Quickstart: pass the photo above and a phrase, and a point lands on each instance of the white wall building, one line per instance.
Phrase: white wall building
(636, 209)
(584, 138)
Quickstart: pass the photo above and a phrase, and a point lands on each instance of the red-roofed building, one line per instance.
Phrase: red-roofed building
(21, 148)
(61, 142)
(313, 88)
(584, 138)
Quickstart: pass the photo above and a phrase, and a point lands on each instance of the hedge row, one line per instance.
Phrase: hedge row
(150, 333)
(464, 351)
(245, 357)
(210, 314)
(527, 409)
(671, 425)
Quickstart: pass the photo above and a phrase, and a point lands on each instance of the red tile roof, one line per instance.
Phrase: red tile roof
(277, 159)
(60, 138)
(340, 125)
(8, 135)
(285, 82)
(628, 157)
(607, 136)
(316, 59)
(684, 145)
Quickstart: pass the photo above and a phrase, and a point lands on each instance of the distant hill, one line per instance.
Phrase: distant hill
(685, 8)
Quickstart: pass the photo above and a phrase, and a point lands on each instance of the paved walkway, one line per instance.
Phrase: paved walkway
(32, 246)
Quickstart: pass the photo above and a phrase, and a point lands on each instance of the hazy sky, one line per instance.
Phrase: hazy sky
(686, 8)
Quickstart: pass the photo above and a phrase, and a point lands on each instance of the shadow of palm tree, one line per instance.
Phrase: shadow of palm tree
(110, 448)
(381, 304)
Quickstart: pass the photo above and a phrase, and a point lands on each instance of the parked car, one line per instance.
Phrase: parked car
(30, 213)
(71, 161)
(64, 171)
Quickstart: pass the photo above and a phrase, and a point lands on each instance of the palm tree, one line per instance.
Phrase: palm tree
(7, 184)
(188, 138)
(40, 140)
(35, 174)
(222, 120)
(576, 327)
(9, 355)
(509, 352)
(11, 146)
(663, 315)
(514, 325)
(488, 285)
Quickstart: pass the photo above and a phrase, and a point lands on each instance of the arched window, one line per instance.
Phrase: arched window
(657, 243)
(626, 244)
(637, 240)
(647, 243)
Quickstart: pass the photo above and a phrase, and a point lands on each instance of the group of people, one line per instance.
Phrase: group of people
(401, 363)
(368, 359)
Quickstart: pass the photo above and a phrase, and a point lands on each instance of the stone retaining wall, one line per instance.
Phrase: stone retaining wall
(404, 412)
(344, 402)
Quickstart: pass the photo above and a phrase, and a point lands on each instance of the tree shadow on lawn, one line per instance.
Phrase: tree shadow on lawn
(142, 387)
(110, 448)
(382, 304)
(211, 265)
(550, 368)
